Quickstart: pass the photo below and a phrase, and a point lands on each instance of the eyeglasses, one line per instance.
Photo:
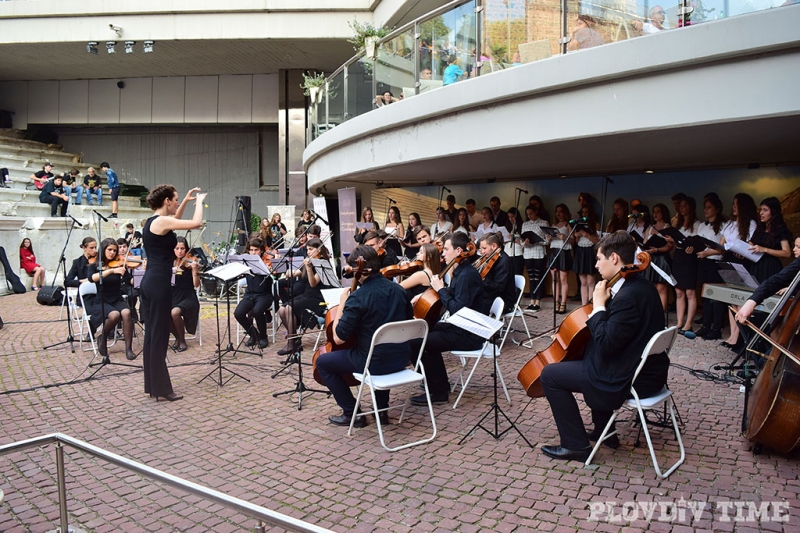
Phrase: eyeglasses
(662, 12)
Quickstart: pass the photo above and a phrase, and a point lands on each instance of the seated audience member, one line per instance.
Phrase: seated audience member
(584, 35)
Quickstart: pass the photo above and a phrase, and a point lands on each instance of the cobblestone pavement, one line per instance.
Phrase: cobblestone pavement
(240, 440)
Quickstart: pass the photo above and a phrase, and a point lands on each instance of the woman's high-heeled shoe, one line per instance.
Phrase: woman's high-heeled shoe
(292, 346)
(171, 397)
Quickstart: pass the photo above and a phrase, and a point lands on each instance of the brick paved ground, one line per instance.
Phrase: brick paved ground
(240, 440)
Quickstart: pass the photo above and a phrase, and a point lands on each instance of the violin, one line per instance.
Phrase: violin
(130, 261)
(92, 260)
(429, 306)
(485, 264)
(405, 268)
(330, 344)
(187, 261)
(571, 339)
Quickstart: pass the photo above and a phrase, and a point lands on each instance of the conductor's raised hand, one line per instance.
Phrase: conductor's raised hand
(191, 194)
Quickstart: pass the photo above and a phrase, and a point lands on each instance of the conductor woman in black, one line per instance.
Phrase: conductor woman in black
(624, 319)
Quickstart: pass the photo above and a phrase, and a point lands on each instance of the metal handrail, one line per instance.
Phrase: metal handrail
(246, 508)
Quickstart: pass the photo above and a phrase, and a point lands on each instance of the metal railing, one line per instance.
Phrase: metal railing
(60, 440)
(485, 36)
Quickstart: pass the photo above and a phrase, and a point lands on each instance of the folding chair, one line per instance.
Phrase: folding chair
(198, 334)
(661, 342)
(241, 286)
(519, 283)
(70, 299)
(487, 351)
(394, 333)
(85, 328)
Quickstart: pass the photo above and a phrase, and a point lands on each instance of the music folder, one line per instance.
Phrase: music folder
(655, 241)
(470, 320)
(676, 235)
(637, 237)
(254, 263)
(229, 271)
(531, 237)
(547, 230)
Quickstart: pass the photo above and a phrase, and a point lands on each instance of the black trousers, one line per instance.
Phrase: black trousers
(560, 381)
(713, 311)
(254, 306)
(54, 203)
(444, 337)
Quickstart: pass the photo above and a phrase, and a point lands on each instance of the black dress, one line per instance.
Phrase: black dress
(768, 265)
(184, 296)
(157, 306)
(310, 302)
(112, 297)
(684, 266)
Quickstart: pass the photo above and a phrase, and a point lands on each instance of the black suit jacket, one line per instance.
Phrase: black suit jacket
(619, 336)
(774, 283)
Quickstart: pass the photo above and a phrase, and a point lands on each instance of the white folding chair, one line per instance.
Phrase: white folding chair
(487, 351)
(519, 283)
(395, 333)
(661, 342)
(84, 290)
(241, 286)
(70, 300)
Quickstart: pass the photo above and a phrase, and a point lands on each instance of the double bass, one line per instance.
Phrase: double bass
(330, 344)
(772, 413)
(571, 338)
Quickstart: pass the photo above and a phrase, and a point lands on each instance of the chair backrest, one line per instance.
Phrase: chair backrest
(660, 342)
(399, 332)
(497, 308)
(87, 288)
(519, 283)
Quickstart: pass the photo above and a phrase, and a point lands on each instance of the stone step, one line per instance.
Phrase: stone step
(33, 156)
(80, 212)
(18, 193)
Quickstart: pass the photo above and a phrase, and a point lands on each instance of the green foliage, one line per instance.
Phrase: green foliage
(255, 223)
(311, 80)
(362, 31)
(434, 31)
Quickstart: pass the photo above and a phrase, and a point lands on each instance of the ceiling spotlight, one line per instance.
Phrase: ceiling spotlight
(648, 171)
(111, 47)
(91, 47)
(147, 48)
(129, 46)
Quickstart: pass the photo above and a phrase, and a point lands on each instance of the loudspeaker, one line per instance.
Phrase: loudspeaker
(52, 295)
(242, 219)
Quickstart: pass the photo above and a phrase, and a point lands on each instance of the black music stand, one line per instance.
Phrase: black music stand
(487, 328)
(62, 264)
(549, 267)
(226, 273)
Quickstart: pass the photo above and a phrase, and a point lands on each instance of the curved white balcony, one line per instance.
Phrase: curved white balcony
(717, 94)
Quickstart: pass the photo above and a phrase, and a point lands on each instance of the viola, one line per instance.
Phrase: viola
(330, 344)
(570, 341)
(429, 306)
(403, 269)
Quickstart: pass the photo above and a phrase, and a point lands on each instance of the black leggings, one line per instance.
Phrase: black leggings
(536, 271)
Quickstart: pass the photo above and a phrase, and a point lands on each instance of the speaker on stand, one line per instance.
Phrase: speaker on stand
(242, 222)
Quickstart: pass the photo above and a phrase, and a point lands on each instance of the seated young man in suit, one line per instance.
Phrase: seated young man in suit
(624, 319)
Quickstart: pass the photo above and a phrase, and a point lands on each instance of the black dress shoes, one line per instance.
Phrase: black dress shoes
(612, 441)
(436, 399)
(344, 420)
(559, 452)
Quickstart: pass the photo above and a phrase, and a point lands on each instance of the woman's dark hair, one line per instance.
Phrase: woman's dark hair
(543, 214)
(564, 211)
(159, 194)
(22, 244)
(254, 242)
(394, 209)
(432, 258)
(371, 261)
(104, 245)
(617, 224)
(531, 207)
(714, 200)
(665, 214)
(419, 228)
(645, 212)
(87, 241)
(317, 243)
(591, 218)
(776, 226)
(416, 216)
(688, 223)
(746, 212)
(457, 221)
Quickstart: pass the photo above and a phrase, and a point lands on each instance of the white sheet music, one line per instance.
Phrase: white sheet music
(332, 296)
(254, 263)
(229, 271)
(742, 248)
(481, 325)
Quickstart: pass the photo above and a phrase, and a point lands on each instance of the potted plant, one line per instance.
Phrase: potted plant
(366, 37)
(312, 83)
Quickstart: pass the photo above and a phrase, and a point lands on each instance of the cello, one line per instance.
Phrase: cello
(571, 338)
(330, 344)
(771, 415)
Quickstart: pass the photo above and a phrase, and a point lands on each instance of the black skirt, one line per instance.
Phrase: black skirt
(564, 261)
(662, 261)
(585, 259)
(684, 268)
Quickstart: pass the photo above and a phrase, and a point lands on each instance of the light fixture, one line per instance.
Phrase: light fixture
(129, 46)
(111, 47)
(648, 171)
(91, 47)
(147, 48)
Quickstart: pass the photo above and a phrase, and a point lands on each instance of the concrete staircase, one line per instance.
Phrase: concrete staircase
(22, 215)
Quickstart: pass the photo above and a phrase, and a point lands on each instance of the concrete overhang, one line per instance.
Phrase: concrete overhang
(715, 95)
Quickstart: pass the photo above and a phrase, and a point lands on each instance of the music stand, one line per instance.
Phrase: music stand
(487, 328)
(226, 273)
(62, 264)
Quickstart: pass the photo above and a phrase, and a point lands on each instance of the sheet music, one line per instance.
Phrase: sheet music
(332, 296)
(253, 263)
(229, 271)
(742, 248)
(736, 275)
(481, 325)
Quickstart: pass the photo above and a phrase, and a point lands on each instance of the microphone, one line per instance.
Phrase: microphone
(576, 220)
(638, 215)
(390, 200)
(75, 221)
(98, 214)
(319, 217)
(445, 188)
(522, 190)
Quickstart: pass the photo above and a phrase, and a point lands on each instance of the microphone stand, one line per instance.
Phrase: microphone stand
(62, 263)
(549, 267)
